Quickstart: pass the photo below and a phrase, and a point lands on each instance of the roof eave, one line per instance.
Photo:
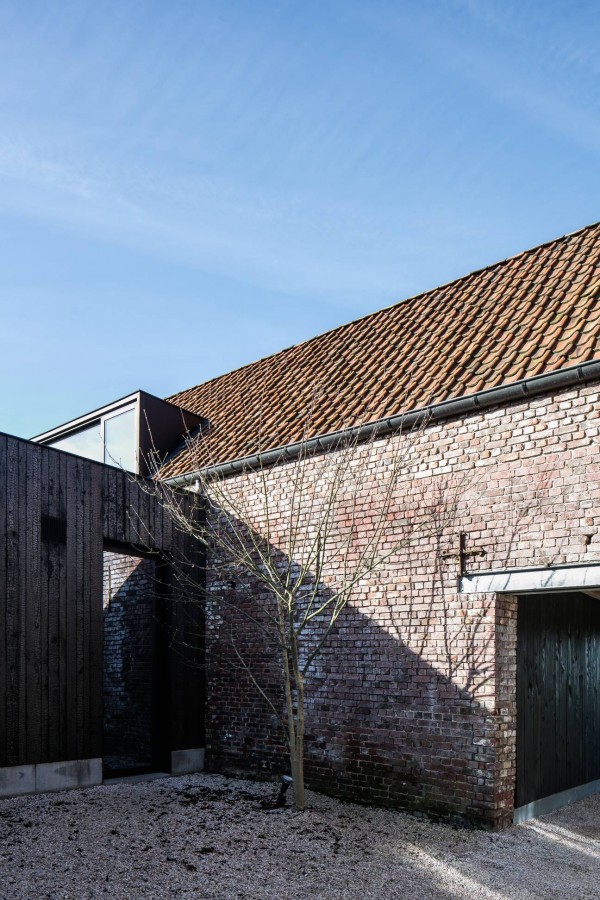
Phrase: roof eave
(447, 409)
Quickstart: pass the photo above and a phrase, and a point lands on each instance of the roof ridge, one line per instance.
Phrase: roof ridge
(378, 312)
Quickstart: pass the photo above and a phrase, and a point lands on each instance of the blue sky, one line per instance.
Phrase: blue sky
(188, 186)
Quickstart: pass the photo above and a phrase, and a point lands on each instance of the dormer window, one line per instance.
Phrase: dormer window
(109, 439)
(134, 433)
(120, 445)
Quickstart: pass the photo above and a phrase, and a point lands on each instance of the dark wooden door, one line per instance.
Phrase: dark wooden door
(558, 694)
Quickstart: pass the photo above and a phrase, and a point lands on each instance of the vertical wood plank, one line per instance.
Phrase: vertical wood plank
(22, 582)
(13, 697)
(44, 563)
(151, 510)
(107, 506)
(96, 616)
(130, 520)
(70, 648)
(35, 657)
(3, 604)
(63, 613)
(80, 620)
(54, 550)
(122, 507)
(167, 533)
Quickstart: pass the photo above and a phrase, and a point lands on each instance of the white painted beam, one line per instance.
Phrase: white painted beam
(519, 581)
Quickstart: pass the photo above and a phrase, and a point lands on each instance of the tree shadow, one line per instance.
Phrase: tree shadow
(397, 711)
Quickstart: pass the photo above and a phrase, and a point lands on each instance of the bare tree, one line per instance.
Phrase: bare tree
(290, 543)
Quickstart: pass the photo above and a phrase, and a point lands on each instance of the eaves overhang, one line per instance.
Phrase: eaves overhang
(502, 395)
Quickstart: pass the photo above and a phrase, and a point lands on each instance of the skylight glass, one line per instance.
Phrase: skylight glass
(85, 442)
(119, 440)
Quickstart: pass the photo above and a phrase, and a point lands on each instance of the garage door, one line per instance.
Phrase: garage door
(558, 698)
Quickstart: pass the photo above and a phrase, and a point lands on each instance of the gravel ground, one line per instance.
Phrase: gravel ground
(206, 836)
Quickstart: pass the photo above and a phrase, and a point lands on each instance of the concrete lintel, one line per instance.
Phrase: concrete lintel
(16, 780)
(555, 801)
(519, 581)
(185, 762)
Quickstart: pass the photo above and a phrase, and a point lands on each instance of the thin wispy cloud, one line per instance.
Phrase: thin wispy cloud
(288, 165)
(540, 85)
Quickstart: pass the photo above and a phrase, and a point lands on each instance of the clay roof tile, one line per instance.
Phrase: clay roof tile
(537, 311)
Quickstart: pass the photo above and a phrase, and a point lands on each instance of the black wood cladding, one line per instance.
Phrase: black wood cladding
(558, 694)
(57, 513)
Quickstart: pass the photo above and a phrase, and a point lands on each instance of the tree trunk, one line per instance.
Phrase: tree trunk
(297, 761)
(298, 755)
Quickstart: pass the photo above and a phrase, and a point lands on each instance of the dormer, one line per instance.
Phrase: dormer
(134, 433)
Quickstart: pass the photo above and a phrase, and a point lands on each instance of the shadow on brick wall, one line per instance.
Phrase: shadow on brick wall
(384, 724)
(130, 654)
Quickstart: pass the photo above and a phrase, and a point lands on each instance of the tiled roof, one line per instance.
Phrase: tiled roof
(531, 314)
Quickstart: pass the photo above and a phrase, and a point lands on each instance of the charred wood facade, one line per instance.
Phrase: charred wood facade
(58, 514)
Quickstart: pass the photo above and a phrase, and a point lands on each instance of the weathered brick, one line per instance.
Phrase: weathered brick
(413, 699)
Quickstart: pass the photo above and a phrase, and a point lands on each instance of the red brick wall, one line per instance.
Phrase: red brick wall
(413, 702)
(129, 590)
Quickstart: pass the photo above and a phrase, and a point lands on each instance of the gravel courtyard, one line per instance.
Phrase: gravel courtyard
(206, 836)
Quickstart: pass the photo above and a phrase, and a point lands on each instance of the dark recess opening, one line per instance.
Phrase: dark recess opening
(132, 664)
